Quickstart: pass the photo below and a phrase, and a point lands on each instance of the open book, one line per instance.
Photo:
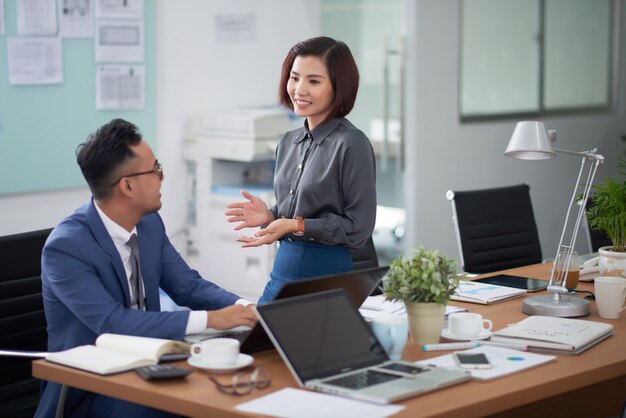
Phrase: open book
(114, 353)
(484, 293)
(552, 334)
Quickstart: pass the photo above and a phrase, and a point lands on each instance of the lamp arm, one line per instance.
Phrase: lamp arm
(557, 284)
(591, 155)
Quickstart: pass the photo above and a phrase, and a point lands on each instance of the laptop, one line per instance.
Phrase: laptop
(358, 283)
(329, 347)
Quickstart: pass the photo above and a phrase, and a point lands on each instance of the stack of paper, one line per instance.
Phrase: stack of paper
(556, 335)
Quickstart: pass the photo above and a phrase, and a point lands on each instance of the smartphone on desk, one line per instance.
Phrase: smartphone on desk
(471, 360)
(518, 282)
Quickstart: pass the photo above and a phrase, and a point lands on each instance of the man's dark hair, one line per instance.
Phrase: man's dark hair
(104, 152)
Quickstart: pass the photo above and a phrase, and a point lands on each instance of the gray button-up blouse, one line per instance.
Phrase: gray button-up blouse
(328, 177)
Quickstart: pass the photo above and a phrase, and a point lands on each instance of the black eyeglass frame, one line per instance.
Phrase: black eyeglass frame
(241, 387)
(158, 170)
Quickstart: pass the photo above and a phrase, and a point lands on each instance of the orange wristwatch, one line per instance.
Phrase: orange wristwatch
(300, 230)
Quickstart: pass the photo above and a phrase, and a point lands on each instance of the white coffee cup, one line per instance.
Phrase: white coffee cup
(610, 293)
(216, 351)
(468, 324)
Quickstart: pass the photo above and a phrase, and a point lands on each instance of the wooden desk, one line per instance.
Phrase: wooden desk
(592, 384)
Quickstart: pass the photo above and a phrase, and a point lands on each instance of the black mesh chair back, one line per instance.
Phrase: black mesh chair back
(22, 320)
(365, 257)
(495, 228)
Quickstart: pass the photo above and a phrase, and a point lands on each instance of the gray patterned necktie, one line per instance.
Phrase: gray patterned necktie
(135, 276)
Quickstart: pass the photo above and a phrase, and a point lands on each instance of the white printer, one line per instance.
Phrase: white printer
(243, 134)
(226, 151)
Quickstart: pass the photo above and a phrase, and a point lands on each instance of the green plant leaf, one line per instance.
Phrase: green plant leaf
(426, 276)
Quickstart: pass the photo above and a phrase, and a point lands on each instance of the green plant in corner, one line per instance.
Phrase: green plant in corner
(425, 277)
(608, 212)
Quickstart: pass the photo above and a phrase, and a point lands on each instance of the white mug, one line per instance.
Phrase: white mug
(468, 324)
(392, 331)
(610, 293)
(216, 351)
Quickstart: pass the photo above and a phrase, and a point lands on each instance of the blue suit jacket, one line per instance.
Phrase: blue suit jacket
(85, 291)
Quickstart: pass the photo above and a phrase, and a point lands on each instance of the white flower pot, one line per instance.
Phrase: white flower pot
(612, 263)
(425, 321)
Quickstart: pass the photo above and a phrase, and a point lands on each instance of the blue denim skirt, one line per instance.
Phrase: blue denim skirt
(301, 260)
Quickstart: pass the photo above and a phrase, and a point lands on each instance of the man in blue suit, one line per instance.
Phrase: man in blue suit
(87, 268)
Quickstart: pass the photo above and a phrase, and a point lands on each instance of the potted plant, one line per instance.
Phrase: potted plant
(608, 214)
(424, 282)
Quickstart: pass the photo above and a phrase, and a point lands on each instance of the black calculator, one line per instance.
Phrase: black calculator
(161, 371)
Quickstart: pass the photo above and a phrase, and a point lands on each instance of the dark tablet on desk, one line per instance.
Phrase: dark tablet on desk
(518, 282)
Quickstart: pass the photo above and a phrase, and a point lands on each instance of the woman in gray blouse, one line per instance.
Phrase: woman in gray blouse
(325, 178)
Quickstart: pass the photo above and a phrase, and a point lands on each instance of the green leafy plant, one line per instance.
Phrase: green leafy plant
(608, 212)
(424, 277)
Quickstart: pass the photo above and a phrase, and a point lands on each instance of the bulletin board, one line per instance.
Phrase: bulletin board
(42, 125)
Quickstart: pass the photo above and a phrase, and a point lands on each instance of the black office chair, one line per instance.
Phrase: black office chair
(22, 320)
(595, 238)
(366, 257)
(495, 228)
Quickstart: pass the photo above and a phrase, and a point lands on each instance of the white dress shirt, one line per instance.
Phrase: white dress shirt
(120, 236)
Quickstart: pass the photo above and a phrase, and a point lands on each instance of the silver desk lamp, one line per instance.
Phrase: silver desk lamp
(531, 141)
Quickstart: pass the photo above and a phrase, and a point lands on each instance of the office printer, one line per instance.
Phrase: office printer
(243, 134)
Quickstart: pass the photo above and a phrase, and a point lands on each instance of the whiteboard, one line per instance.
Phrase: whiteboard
(42, 125)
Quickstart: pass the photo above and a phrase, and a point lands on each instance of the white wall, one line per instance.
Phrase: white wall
(31, 211)
(445, 154)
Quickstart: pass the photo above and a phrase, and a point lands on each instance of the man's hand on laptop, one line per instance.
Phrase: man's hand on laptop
(230, 317)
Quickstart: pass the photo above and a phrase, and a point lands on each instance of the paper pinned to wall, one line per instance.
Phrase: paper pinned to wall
(119, 9)
(120, 87)
(35, 61)
(36, 17)
(75, 18)
(235, 27)
(119, 41)
(1, 17)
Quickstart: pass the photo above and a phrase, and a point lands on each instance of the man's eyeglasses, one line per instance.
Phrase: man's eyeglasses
(242, 383)
(158, 170)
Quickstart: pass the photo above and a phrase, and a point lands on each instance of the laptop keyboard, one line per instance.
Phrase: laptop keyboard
(362, 379)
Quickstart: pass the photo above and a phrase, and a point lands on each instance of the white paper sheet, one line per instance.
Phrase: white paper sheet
(36, 17)
(1, 17)
(119, 9)
(35, 61)
(235, 27)
(504, 361)
(119, 41)
(120, 87)
(75, 18)
(296, 403)
(377, 306)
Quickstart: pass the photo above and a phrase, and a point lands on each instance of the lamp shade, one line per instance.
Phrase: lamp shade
(530, 141)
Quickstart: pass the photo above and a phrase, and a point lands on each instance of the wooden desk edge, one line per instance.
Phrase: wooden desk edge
(91, 382)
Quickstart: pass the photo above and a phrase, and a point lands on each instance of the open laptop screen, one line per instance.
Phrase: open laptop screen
(322, 334)
(358, 283)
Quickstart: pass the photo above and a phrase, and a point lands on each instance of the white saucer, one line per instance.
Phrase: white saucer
(450, 336)
(242, 361)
